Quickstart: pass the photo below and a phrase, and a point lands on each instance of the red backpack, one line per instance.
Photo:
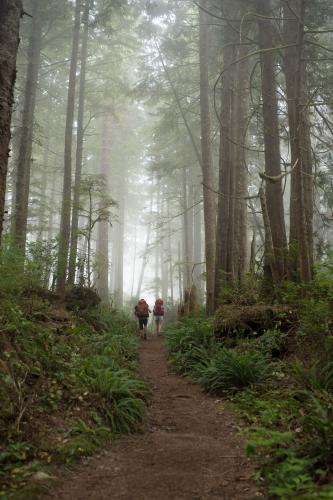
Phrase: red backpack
(142, 309)
(159, 308)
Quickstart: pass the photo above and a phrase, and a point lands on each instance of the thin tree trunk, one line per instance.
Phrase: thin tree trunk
(26, 133)
(157, 266)
(171, 273)
(102, 252)
(180, 285)
(207, 162)
(119, 261)
(50, 228)
(79, 148)
(65, 222)
(274, 194)
(134, 260)
(197, 250)
(145, 253)
(163, 246)
(186, 234)
(43, 187)
(158, 260)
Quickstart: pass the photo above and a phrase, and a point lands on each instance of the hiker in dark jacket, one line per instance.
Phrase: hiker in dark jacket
(142, 311)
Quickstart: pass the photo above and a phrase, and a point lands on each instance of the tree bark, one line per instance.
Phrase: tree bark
(274, 195)
(197, 248)
(241, 105)
(163, 247)
(145, 253)
(10, 14)
(180, 280)
(222, 270)
(301, 189)
(102, 250)
(79, 148)
(171, 268)
(207, 162)
(119, 257)
(186, 231)
(134, 260)
(65, 222)
(26, 134)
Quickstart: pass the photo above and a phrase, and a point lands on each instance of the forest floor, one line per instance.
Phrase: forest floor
(189, 448)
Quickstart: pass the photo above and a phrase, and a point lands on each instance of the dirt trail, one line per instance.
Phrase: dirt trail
(189, 449)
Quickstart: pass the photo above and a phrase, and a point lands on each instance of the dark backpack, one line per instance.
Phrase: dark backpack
(159, 308)
(142, 309)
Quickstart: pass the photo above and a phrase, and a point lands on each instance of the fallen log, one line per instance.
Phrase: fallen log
(245, 321)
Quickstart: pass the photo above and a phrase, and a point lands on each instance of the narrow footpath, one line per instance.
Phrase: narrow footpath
(188, 450)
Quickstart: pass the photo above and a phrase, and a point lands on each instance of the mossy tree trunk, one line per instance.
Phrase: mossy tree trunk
(10, 14)
(24, 162)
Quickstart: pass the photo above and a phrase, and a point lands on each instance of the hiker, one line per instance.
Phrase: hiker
(142, 311)
(158, 314)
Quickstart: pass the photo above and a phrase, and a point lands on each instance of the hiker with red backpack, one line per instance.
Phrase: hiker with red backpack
(158, 314)
(142, 311)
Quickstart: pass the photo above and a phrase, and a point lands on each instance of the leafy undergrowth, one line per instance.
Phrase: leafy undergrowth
(68, 384)
(286, 402)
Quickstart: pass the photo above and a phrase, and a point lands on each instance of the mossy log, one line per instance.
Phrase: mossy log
(231, 320)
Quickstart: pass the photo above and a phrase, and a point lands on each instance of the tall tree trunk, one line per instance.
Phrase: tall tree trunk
(145, 252)
(65, 222)
(197, 250)
(164, 260)
(225, 161)
(119, 257)
(10, 14)
(26, 133)
(274, 195)
(301, 195)
(171, 269)
(157, 266)
(79, 148)
(180, 281)
(43, 188)
(158, 260)
(134, 260)
(102, 252)
(51, 208)
(207, 162)
(186, 231)
(241, 105)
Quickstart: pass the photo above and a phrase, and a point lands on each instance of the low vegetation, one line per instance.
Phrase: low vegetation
(280, 382)
(68, 381)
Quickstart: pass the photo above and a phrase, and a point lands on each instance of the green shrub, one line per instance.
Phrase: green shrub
(245, 292)
(82, 440)
(233, 371)
(318, 428)
(124, 396)
(316, 376)
(191, 345)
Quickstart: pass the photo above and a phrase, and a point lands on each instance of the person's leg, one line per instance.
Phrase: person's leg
(145, 323)
(156, 324)
(141, 327)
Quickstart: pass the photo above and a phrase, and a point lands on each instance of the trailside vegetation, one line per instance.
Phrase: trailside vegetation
(68, 382)
(279, 381)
